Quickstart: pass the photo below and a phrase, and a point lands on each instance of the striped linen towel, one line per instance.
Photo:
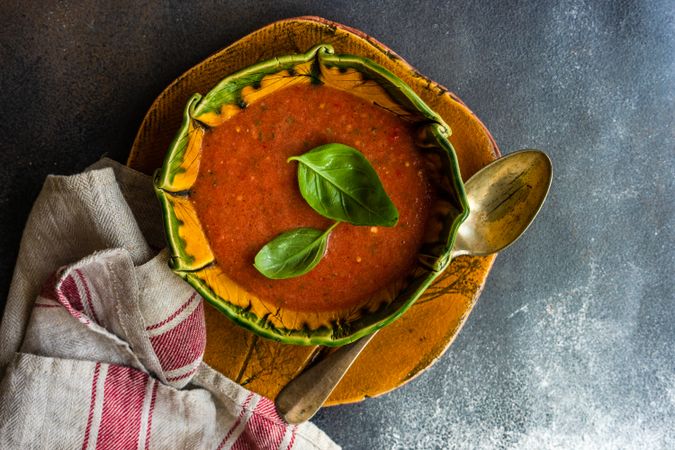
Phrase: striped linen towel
(102, 345)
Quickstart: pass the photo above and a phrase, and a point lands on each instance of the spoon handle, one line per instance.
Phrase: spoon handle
(302, 397)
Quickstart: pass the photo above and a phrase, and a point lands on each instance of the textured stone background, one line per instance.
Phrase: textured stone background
(572, 343)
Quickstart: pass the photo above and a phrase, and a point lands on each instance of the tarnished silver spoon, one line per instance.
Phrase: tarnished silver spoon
(504, 198)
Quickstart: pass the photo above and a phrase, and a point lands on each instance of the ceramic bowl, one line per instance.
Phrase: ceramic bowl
(191, 255)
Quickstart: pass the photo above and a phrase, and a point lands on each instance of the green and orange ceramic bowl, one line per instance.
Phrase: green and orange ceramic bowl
(191, 255)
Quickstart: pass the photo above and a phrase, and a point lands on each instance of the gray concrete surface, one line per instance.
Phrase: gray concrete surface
(572, 344)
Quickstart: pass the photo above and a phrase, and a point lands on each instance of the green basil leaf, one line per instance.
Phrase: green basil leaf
(339, 183)
(292, 253)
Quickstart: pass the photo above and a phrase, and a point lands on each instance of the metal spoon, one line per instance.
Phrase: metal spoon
(504, 198)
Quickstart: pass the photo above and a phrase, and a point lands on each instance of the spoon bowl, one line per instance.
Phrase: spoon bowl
(504, 198)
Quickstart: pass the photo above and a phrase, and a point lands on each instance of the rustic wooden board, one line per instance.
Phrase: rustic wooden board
(409, 345)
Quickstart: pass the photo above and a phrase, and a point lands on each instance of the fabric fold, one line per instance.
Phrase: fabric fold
(102, 344)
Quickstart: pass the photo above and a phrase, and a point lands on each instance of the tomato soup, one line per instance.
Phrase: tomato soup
(247, 193)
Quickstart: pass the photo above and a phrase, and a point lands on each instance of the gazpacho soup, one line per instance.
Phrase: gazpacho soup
(246, 193)
(312, 198)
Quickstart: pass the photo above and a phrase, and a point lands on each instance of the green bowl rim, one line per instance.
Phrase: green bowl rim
(325, 335)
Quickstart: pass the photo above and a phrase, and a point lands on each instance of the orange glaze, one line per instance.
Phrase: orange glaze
(246, 194)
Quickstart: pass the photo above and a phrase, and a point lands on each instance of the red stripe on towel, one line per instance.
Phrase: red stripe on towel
(237, 422)
(185, 375)
(173, 316)
(68, 295)
(183, 344)
(123, 396)
(71, 293)
(87, 292)
(264, 430)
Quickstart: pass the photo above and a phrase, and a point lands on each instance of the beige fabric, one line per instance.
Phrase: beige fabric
(108, 354)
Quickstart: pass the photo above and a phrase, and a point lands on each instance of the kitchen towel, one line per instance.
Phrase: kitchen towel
(102, 345)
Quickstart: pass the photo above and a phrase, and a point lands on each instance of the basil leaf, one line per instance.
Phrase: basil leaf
(292, 253)
(339, 183)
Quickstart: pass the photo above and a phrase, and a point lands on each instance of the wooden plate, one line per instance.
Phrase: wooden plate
(401, 350)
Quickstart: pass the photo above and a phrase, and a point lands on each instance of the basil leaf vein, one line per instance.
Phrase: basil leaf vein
(292, 253)
(338, 182)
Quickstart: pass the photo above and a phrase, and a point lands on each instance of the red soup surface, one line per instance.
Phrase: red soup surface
(246, 194)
